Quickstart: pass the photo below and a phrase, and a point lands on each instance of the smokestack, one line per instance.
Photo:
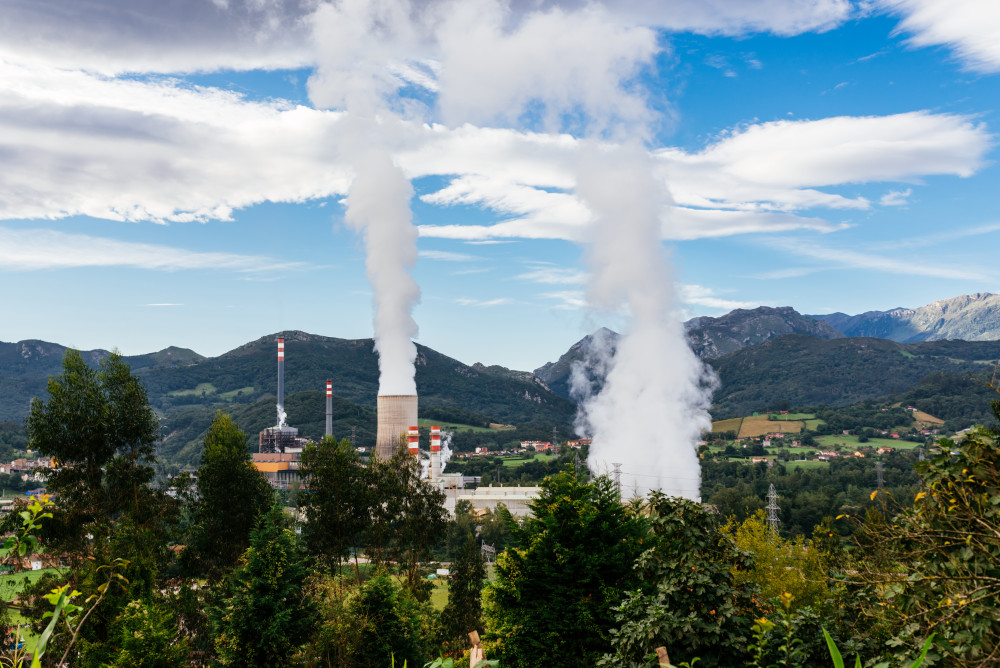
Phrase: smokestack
(435, 452)
(395, 415)
(413, 440)
(329, 408)
(281, 381)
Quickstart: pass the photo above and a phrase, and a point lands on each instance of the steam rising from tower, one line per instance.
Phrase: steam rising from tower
(654, 403)
(281, 382)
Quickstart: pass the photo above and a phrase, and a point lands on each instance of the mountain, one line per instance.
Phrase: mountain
(714, 337)
(710, 338)
(974, 317)
(186, 389)
(801, 370)
(25, 367)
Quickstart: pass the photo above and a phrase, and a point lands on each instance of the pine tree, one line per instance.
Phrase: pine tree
(464, 611)
(266, 615)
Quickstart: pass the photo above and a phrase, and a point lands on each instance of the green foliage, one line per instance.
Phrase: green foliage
(687, 599)
(779, 566)
(464, 611)
(232, 493)
(265, 616)
(146, 637)
(396, 625)
(337, 500)
(550, 602)
(100, 428)
(935, 567)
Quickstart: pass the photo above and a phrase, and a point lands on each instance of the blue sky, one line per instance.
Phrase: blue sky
(179, 180)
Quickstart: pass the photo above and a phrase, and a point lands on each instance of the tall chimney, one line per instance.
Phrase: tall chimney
(329, 408)
(413, 440)
(281, 381)
(395, 414)
(435, 452)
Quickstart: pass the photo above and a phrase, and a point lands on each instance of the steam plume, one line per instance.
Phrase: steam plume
(378, 207)
(654, 403)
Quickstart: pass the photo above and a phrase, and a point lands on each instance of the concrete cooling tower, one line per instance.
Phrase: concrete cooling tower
(396, 414)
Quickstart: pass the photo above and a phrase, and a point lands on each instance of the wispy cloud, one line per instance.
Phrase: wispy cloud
(700, 295)
(889, 263)
(165, 304)
(568, 300)
(554, 276)
(970, 28)
(447, 256)
(483, 303)
(466, 272)
(896, 197)
(49, 249)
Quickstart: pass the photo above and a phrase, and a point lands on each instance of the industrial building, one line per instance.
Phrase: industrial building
(277, 456)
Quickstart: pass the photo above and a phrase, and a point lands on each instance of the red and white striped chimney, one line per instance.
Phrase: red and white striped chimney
(413, 439)
(281, 381)
(435, 452)
(329, 408)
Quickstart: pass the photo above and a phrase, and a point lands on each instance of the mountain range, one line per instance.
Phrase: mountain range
(763, 357)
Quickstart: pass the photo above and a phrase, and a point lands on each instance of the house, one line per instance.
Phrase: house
(894, 435)
(578, 443)
(757, 460)
(767, 443)
(537, 446)
(883, 451)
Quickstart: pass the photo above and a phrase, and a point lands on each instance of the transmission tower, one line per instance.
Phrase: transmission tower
(920, 454)
(618, 476)
(880, 479)
(772, 509)
(354, 435)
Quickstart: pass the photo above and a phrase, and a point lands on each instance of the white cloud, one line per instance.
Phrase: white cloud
(554, 276)
(971, 28)
(699, 295)
(165, 304)
(895, 197)
(567, 300)
(447, 256)
(49, 249)
(889, 263)
(73, 143)
(484, 303)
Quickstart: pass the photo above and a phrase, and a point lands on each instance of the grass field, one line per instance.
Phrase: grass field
(927, 420)
(732, 424)
(232, 394)
(202, 388)
(11, 585)
(793, 416)
(511, 462)
(849, 441)
(439, 595)
(759, 425)
(791, 466)
(811, 425)
(453, 426)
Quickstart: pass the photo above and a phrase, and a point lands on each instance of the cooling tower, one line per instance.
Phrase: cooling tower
(396, 413)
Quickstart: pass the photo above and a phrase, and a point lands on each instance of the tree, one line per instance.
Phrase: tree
(336, 504)
(147, 638)
(687, 601)
(550, 602)
(464, 610)
(99, 428)
(395, 626)
(935, 567)
(265, 616)
(232, 493)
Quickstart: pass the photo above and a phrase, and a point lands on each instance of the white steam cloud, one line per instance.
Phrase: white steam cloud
(654, 404)
(378, 207)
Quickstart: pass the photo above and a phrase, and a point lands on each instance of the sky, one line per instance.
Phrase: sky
(176, 173)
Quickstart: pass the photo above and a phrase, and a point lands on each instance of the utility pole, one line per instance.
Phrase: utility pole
(772, 509)
(880, 479)
(618, 477)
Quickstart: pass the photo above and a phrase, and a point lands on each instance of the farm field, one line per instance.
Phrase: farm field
(732, 424)
(759, 425)
(850, 441)
(202, 388)
(13, 583)
(792, 416)
(513, 462)
(927, 420)
(811, 465)
(453, 426)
